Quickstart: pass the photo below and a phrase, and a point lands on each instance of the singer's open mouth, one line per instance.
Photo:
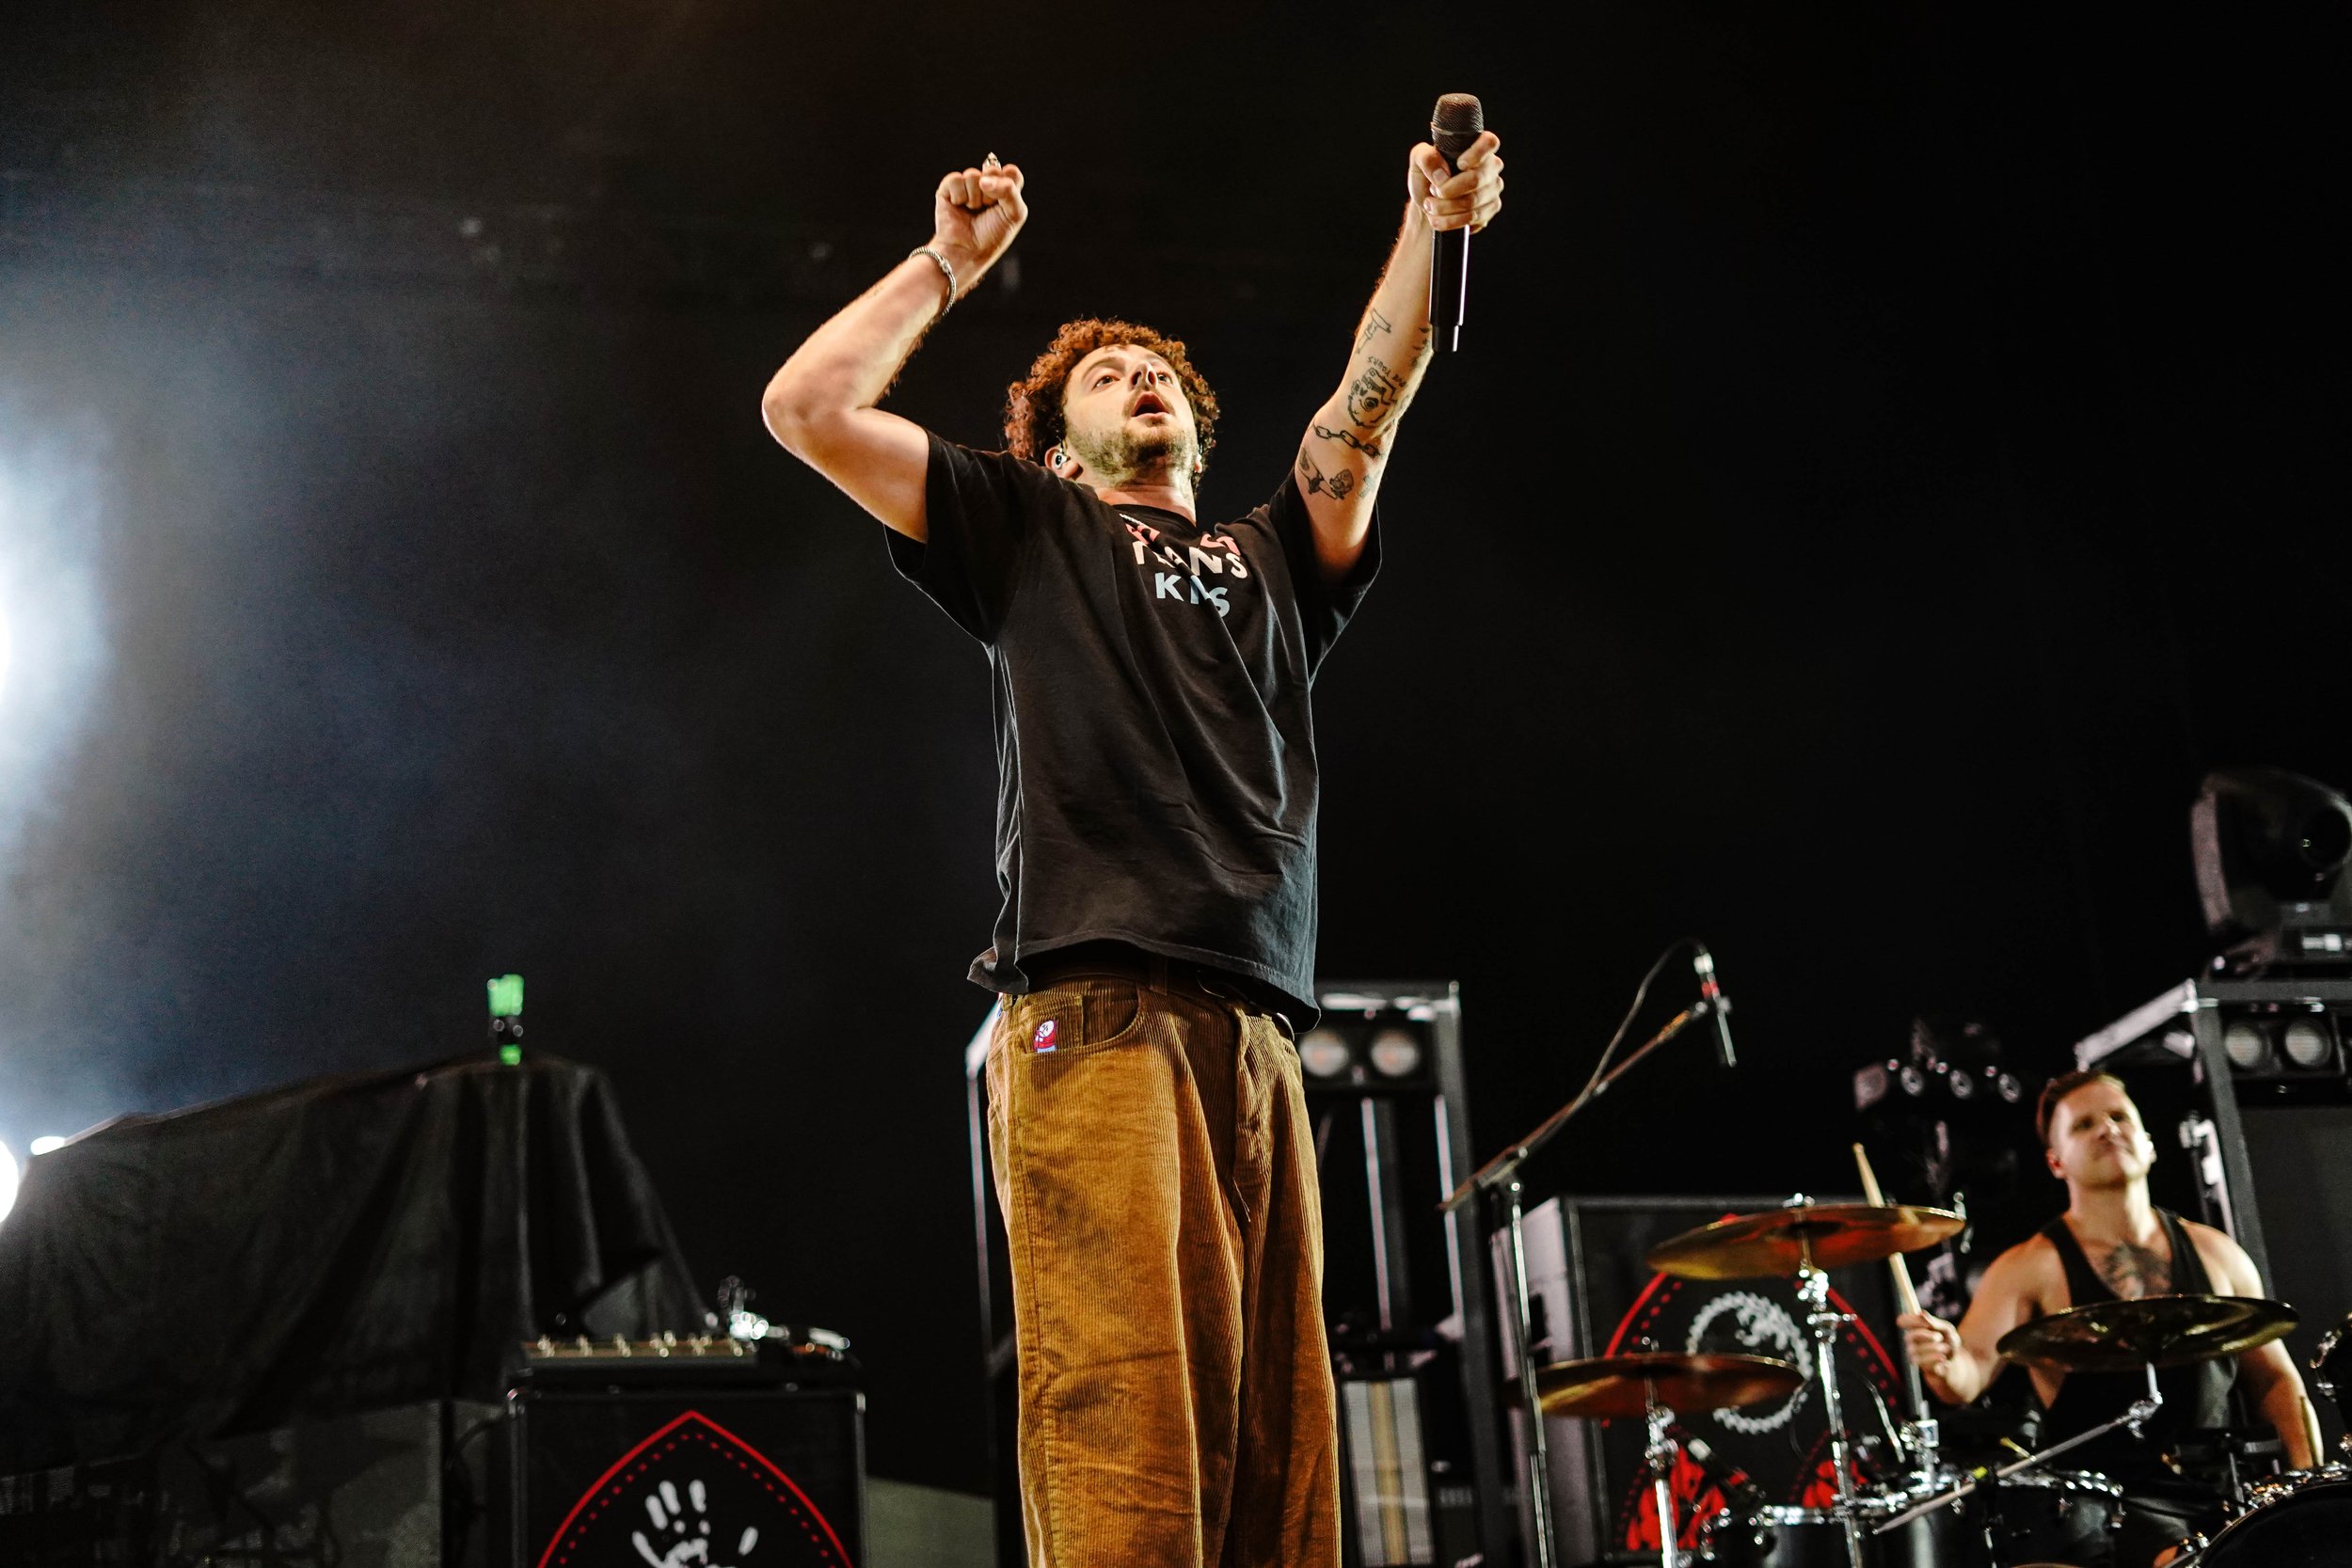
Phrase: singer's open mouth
(1148, 404)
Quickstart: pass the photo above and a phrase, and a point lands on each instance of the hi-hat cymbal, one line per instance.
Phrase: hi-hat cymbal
(1603, 1386)
(1780, 1241)
(2164, 1331)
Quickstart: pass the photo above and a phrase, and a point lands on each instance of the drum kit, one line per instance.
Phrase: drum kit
(1931, 1514)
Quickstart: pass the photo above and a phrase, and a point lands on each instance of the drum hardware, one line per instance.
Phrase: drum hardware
(2333, 1378)
(2224, 1450)
(2141, 1409)
(1806, 1240)
(2145, 1333)
(1501, 1174)
(1659, 1385)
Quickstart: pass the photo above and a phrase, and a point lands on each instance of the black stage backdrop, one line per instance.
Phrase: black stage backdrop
(1896, 458)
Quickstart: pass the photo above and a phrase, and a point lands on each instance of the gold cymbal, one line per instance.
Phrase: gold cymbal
(1780, 1241)
(2164, 1331)
(1603, 1386)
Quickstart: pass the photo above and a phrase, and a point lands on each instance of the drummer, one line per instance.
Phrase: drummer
(2112, 1242)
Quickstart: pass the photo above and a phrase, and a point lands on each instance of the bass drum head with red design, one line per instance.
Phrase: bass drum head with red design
(1773, 1452)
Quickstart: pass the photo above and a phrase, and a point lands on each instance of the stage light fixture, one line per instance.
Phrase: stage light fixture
(1324, 1054)
(2307, 1045)
(2270, 850)
(7, 1180)
(2246, 1046)
(1395, 1052)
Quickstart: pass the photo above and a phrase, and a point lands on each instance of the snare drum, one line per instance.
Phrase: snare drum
(2296, 1521)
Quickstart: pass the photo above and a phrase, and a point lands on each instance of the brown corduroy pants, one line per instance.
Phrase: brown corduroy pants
(1157, 1175)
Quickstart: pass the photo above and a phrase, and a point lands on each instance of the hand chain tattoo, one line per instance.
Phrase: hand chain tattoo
(1369, 448)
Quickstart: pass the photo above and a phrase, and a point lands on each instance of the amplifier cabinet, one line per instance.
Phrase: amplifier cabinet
(687, 1477)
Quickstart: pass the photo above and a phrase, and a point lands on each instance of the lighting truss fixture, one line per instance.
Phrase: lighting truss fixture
(1325, 1054)
(2285, 1044)
(1370, 1055)
(2271, 848)
(1395, 1052)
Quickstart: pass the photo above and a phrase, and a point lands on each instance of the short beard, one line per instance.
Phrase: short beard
(1120, 458)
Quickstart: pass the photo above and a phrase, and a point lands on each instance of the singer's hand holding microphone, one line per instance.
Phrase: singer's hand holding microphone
(1455, 182)
(1464, 197)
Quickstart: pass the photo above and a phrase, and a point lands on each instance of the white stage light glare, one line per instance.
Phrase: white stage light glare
(1324, 1053)
(2246, 1047)
(7, 1180)
(43, 1144)
(1395, 1052)
(2305, 1042)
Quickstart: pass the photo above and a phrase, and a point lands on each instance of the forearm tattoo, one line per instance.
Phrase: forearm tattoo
(1375, 325)
(1339, 486)
(1349, 439)
(1372, 396)
(2132, 1272)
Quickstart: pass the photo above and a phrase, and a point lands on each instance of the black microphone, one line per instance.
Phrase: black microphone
(1718, 1004)
(1452, 126)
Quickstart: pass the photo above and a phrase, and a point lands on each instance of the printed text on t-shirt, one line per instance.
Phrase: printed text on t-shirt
(1179, 571)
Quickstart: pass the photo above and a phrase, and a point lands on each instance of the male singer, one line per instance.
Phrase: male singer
(2112, 1242)
(1155, 844)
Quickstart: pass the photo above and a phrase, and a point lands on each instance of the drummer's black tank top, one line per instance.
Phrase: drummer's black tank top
(2195, 1395)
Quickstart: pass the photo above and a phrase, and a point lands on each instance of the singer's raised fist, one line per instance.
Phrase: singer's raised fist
(975, 214)
(1931, 1342)
(1465, 197)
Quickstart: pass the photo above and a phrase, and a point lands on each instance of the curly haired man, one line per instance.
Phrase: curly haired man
(1155, 843)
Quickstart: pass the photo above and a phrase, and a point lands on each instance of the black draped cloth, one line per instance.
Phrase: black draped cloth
(334, 1246)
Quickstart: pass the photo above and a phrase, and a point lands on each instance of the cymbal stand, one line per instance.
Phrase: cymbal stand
(2142, 1408)
(1502, 1175)
(1660, 1456)
(1813, 1294)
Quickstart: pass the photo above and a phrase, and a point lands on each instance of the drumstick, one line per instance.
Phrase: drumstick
(1903, 1292)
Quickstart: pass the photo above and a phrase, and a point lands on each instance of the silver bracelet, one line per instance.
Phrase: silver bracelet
(945, 271)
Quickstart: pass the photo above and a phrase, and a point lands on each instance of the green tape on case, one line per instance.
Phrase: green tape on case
(506, 996)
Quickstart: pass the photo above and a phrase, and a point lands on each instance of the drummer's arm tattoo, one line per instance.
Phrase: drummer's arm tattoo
(2132, 1272)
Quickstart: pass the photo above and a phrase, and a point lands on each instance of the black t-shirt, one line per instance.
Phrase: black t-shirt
(1155, 753)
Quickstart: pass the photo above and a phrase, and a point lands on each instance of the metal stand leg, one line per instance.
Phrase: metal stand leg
(1813, 1291)
(1661, 1458)
(1541, 1552)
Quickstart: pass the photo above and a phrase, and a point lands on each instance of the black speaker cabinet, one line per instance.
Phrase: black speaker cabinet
(687, 1477)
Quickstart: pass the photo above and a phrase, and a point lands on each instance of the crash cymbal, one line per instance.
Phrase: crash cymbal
(1780, 1241)
(2167, 1331)
(1686, 1384)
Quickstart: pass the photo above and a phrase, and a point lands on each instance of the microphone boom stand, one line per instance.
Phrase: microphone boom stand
(1502, 1175)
